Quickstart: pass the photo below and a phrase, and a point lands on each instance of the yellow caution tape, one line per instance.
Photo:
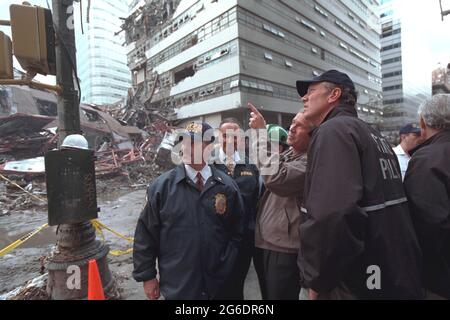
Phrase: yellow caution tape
(117, 253)
(99, 226)
(95, 223)
(22, 240)
(15, 184)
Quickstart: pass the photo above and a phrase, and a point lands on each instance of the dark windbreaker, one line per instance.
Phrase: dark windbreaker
(427, 185)
(194, 236)
(246, 176)
(355, 213)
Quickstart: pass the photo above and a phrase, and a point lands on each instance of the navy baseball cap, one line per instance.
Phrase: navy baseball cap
(197, 130)
(332, 76)
(410, 128)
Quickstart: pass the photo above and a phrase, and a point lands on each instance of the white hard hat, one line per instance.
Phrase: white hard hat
(75, 141)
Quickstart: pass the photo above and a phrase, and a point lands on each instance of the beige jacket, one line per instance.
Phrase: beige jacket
(278, 216)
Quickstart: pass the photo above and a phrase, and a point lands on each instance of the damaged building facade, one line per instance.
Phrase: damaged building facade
(28, 128)
(206, 59)
(440, 80)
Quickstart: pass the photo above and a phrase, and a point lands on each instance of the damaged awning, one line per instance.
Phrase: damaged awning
(23, 123)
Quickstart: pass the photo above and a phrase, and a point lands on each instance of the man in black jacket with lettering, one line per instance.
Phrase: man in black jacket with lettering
(357, 240)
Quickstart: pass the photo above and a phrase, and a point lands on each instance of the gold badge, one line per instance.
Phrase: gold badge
(246, 173)
(221, 203)
(194, 128)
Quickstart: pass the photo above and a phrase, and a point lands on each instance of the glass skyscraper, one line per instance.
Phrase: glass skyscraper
(406, 66)
(101, 56)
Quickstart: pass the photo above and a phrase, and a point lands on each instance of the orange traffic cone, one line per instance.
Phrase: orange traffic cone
(95, 287)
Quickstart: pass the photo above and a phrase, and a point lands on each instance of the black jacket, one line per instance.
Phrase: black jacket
(195, 236)
(246, 176)
(356, 214)
(427, 185)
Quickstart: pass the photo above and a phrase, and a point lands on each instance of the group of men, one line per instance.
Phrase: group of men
(332, 218)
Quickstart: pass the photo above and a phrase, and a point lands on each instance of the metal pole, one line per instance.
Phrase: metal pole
(68, 108)
(76, 243)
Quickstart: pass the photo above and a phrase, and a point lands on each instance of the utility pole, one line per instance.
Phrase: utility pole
(68, 106)
(76, 243)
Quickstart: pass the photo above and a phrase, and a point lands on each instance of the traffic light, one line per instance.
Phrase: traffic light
(33, 38)
(6, 60)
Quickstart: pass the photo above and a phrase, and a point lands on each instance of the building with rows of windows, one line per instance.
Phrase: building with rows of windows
(207, 58)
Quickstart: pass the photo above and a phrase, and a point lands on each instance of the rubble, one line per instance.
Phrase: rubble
(12, 199)
(149, 18)
(34, 289)
(23, 136)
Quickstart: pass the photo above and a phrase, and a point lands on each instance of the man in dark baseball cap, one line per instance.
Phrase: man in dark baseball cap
(410, 128)
(353, 190)
(323, 93)
(409, 139)
(332, 76)
(190, 230)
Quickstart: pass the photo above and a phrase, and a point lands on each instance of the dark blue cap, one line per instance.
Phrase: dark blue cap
(410, 128)
(197, 130)
(332, 76)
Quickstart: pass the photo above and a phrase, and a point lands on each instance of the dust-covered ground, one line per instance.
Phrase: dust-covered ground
(120, 200)
(120, 208)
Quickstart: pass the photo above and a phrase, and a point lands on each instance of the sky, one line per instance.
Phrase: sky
(427, 28)
(432, 33)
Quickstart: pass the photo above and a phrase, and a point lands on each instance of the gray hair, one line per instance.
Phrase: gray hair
(435, 112)
(348, 96)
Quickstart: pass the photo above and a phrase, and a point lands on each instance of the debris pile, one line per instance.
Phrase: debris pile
(23, 136)
(13, 198)
(34, 289)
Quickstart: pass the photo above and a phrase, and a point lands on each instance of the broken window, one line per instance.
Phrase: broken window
(184, 73)
(91, 116)
(46, 108)
(234, 84)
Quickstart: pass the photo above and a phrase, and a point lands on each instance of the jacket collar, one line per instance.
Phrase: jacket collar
(338, 111)
(443, 136)
(289, 154)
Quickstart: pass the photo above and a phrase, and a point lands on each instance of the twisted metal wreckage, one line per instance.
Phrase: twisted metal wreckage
(26, 137)
(121, 133)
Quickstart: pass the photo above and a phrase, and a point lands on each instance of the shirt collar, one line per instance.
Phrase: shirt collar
(222, 157)
(192, 174)
(399, 150)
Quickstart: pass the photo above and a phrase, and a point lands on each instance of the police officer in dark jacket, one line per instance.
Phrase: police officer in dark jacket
(356, 239)
(192, 224)
(427, 185)
(229, 160)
